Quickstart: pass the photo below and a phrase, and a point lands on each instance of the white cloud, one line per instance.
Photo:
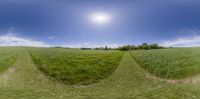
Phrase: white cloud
(187, 41)
(192, 41)
(10, 39)
(92, 45)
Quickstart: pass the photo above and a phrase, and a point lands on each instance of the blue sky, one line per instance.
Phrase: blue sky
(69, 23)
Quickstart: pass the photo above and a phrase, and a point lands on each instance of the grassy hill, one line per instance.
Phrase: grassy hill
(170, 63)
(24, 80)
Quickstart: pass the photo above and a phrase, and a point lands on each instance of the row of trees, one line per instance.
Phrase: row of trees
(144, 46)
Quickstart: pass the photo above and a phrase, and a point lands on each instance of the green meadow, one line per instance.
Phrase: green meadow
(54, 73)
(170, 63)
(8, 56)
(75, 66)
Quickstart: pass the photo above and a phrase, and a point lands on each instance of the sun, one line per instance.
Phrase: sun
(100, 18)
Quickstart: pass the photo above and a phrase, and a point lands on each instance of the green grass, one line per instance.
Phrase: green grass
(76, 66)
(128, 81)
(170, 63)
(8, 57)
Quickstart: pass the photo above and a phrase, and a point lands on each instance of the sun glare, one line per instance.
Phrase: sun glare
(100, 18)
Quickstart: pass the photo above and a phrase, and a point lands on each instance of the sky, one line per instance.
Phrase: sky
(97, 23)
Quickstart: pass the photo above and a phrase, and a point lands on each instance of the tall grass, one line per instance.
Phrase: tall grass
(75, 66)
(8, 56)
(170, 63)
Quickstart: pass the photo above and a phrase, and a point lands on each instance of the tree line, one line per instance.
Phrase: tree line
(143, 46)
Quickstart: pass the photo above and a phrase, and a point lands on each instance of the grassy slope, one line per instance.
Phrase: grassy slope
(127, 82)
(170, 63)
(76, 66)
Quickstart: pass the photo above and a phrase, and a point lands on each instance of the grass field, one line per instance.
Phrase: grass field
(24, 80)
(76, 66)
(8, 56)
(170, 63)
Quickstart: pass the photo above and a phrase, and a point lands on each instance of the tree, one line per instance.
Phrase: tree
(132, 47)
(145, 46)
(139, 47)
(124, 48)
(153, 46)
(106, 48)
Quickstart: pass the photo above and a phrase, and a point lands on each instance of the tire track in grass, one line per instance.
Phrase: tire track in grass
(4, 77)
(24, 75)
(190, 80)
(193, 80)
(128, 81)
(124, 83)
